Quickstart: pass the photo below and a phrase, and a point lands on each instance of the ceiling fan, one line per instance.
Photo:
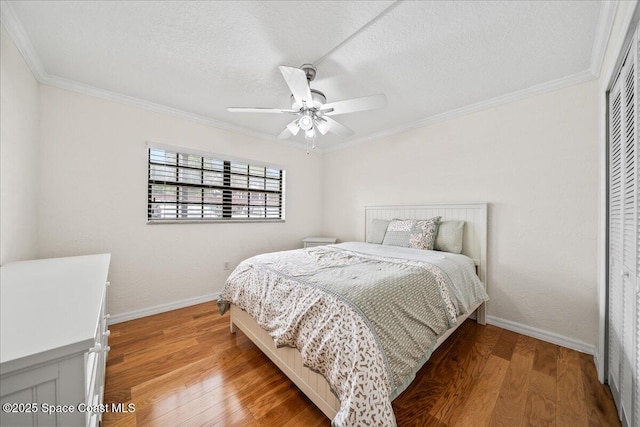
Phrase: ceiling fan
(313, 113)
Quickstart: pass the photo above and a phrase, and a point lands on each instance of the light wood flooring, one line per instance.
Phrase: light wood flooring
(184, 368)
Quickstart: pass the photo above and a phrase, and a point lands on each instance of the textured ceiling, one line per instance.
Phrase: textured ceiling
(201, 57)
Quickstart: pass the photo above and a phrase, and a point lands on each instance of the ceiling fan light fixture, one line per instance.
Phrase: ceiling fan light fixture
(322, 125)
(293, 127)
(309, 134)
(306, 122)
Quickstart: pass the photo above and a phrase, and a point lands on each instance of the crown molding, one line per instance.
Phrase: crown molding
(22, 42)
(84, 89)
(15, 30)
(540, 89)
(603, 32)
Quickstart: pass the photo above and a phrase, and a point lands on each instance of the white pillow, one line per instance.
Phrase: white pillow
(378, 230)
(449, 237)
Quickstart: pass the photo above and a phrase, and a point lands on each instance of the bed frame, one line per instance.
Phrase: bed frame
(288, 359)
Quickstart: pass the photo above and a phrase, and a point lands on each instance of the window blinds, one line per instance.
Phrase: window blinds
(187, 186)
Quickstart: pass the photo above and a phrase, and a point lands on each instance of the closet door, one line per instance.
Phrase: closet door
(629, 237)
(624, 327)
(615, 235)
(636, 237)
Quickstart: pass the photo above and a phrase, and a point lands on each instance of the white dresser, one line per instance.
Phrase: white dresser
(53, 341)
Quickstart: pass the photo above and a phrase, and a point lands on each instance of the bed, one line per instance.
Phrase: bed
(312, 313)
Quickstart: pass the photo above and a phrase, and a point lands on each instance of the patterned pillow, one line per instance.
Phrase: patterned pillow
(399, 232)
(411, 233)
(423, 235)
(449, 238)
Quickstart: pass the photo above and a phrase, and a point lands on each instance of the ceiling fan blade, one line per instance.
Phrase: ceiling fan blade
(260, 110)
(297, 81)
(337, 128)
(355, 104)
(291, 130)
(322, 125)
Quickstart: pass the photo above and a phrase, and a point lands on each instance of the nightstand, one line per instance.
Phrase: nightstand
(318, 241)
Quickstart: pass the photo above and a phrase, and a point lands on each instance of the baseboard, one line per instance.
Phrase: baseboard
(599, 369)
(492, 320)
(540, 334)
(144, 312)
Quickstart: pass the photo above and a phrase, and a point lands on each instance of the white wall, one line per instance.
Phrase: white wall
(535, 162)
(94, 191)
(18, 155)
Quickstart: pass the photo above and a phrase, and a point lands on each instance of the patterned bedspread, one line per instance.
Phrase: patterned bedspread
(365, 321)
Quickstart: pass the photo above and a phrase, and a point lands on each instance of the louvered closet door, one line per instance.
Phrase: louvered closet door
(624, 256)
(629, 236)
(636, 238)
(615, 233)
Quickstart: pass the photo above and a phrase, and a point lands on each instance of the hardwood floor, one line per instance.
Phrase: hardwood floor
(184, 368)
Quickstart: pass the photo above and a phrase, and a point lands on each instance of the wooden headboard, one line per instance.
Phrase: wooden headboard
(474, 215)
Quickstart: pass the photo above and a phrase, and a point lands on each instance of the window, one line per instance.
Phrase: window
(193, 187)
